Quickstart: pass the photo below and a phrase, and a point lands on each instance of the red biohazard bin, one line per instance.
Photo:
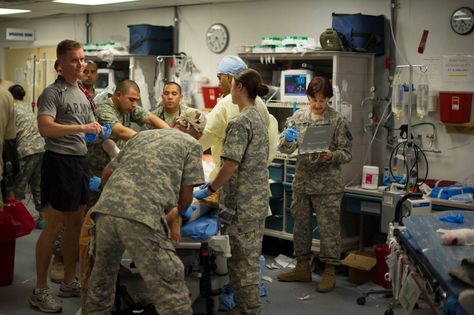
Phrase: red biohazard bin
(381, 268)
(15, 221)
(210, 94)
(455, 107)
(7, 263)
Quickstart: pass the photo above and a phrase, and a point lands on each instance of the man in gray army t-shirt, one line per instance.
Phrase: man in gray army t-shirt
(64, 115)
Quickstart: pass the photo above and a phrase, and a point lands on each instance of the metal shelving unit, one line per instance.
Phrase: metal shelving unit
(354, 70)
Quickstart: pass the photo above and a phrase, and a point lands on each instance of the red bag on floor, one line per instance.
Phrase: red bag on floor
(15, 221)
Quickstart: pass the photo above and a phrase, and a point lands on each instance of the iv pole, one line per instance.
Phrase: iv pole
(410, 103)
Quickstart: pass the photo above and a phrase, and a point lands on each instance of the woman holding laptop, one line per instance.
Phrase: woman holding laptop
(317, 186)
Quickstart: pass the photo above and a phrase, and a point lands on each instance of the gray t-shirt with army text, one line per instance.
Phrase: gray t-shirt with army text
(245, 195)
(68, 105)
(148, 174)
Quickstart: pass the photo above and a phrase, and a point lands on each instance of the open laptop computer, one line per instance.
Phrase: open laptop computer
(317, 139)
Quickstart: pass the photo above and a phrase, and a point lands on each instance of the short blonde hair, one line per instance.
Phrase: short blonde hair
(65, 46)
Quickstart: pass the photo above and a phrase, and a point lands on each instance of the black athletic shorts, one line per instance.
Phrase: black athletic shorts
(64, 181)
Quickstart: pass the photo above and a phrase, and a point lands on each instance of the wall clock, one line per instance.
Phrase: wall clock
(462, 20)
(217, 38)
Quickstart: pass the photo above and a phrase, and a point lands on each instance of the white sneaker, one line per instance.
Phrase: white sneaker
(70, 290)
(44, 301)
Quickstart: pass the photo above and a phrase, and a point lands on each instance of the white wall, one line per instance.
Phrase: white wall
(249, 21)
(414, 16)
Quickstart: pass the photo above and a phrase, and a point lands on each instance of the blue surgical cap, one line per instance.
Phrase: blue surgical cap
(231, 65)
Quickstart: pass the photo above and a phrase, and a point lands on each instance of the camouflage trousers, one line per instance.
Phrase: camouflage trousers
(244, 266)
(327, 208)
(30, 175)
(154, 256)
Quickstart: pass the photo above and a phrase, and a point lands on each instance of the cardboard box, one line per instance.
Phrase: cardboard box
(361, 266)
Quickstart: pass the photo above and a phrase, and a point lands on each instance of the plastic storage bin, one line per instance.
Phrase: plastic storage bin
(276, 190)
(276, 205)
(210, 94)
(275, 171)
(274, 222)
(146, 39)
(455, 107)
(290, 173)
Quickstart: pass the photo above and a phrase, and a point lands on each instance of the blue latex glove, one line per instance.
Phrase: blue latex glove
(106, 132)
(388, 180)
(291, 134)
(186, 215)
(204, 185)
(94, 183)
(202, 192)
(90, 137)
(455, 218)
(226, 299)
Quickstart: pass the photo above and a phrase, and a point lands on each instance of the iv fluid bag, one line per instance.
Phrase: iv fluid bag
(422, 97)
(397, 96)
(104, 94)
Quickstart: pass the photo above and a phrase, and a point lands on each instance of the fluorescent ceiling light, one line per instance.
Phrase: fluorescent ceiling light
(92, 2)
(12, 11)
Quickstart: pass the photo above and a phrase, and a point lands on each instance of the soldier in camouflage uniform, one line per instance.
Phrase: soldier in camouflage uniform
(90, 76)
(170, 106)
(243, 200)
(30, 149)
(154, 172)
(119, 111)
(317, 185)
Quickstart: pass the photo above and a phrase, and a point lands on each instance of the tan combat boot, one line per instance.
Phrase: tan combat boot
(234, 311)
(301, 273)
(56, 273)
(328, 280)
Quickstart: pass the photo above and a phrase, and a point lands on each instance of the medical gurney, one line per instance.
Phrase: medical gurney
(420, 261)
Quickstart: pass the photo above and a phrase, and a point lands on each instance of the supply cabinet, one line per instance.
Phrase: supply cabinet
(352, 73)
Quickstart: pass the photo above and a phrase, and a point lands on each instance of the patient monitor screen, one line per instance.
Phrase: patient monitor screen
(295, 84)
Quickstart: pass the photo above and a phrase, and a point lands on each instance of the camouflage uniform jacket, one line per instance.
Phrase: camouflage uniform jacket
(313, 176)
(244, 197)
(28, 138)
(148, 174)
(108, 113)
(160, 112)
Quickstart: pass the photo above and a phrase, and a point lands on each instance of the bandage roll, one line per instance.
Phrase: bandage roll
(110, 148)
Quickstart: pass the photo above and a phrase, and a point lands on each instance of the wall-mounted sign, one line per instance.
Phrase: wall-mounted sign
(458, 68)
(20, 34)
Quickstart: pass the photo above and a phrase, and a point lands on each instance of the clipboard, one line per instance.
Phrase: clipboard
(317, 139)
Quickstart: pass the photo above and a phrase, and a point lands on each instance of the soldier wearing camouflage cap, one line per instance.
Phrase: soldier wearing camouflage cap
(156, 170)
(317, 185)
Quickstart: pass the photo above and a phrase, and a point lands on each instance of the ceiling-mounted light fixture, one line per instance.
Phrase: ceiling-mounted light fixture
(12, 11)
(92, 2)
